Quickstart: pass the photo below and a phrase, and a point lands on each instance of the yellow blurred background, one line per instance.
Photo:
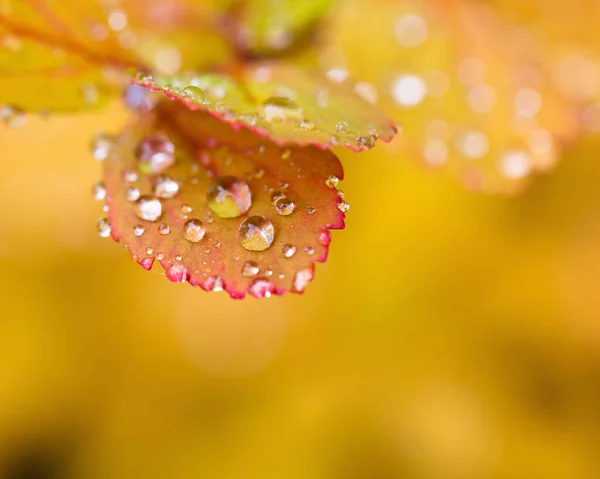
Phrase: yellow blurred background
(450, 335)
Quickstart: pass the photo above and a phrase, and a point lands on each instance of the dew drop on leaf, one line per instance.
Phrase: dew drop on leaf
(130, 176)
(155, 154)
(310, 210)
(193, 230)
(99, 191)
(256, 233)
(138, 230)
(343, 206)
(284, 206)
(164, 229)
(132, 193)
(276, 196)
(194, 93)
(289, 250)
(148, 208)
(280, 108)
(332, 181)
(101, 146)
(229, 197)
(166, 187)
(103, 228)
(250, 269)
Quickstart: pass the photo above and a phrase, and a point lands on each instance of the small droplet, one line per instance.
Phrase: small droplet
(193, 230)
(310, 210)
(256, 233)
(301, 280)
(103, 228)
(309, 250)
(155, 154)
(186, 209)
(130, 176)
(144, 78)
(279, 108)
(332, 181)
(101, 146)
(164, 229)
(343, 206)
(229, 197)
(195, 94)
(138, 230)
(250, 269)
(284, 206)
(12, 116)
(341, 127)
(148, 208)
(99, 191)
(285, 154)
(132, 194)
(160, 256)
(166, 187)
(149, 250)
(289, 250)
(367, 142)
(307, 125)
(178, 257)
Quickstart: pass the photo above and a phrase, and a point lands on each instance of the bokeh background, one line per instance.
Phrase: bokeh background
(450, 334)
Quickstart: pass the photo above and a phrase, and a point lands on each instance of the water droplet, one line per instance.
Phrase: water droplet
(256, 233)
(332, 181)
(250, 269)
(285, 154)
(155, 154)
(103, 228)
(276, 196)
(144, 79)
(284, 206)
(193, 230)
(132, 194)
(301, 280)
(164, 229)
(165, 187)
(229, 197)
(261, 288)
(310, 210)
(178, 257)
(130, 176)
(343, 206)
(195, 94)
(138, 230)
(99, 191)
(149, 251)
(12, 116)
(307, 125)
(101, 146)
(309, 250)
(341, 127)
(289, 250)
(160, 256)
(148, 208)
(186, 209)
(280, 108)
(366, 141)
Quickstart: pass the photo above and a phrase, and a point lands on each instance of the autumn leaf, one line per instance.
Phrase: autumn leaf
(287, 104)
(219, 208)
(473, 90)
(83, 48)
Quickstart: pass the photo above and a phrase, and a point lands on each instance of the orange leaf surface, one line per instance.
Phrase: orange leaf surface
(186, 189)
(282, 102)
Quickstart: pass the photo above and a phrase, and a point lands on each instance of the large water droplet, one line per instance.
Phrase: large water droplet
(195, 94)
(256, 233)
(148, 208)
(99, 191)
(229, 197)
(250, 269)
(193, 230)
(284, 206)
(280, 108)
(155, 154)
(165, 187)
(103, 228)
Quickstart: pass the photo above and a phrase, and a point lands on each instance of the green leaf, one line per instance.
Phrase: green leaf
(186, 189)
(287, 104)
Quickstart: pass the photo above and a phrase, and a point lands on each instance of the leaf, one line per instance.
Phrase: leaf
(286, 104)
(269, 28)
(473, 91)
(63, 56)
(205, 151)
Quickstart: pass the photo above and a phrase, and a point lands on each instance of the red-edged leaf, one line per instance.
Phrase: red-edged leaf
(284, 103)
(474, 91)
(205, 150)
(63, 56)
